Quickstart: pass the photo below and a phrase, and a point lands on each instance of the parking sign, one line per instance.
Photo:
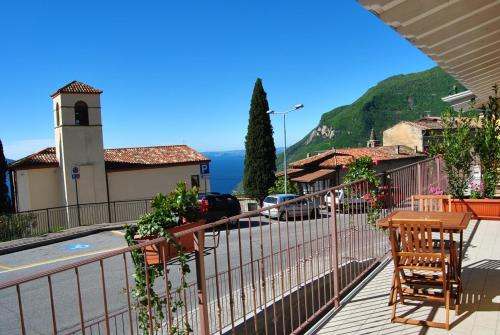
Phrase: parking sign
(204, 169)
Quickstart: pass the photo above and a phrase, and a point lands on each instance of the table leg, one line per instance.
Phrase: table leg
(459, 272)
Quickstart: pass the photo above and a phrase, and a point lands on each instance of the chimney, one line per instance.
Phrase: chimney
(308, 155)
(397, 149)
(416, 149)
(427, 114)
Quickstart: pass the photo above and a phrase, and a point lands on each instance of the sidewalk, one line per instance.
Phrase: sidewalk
(68, 234)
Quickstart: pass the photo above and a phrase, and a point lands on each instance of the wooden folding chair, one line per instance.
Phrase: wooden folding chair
(430, 203)
(421, 272)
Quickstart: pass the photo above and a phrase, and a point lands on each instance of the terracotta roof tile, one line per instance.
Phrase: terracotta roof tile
(382, 153)
(45, 158)
(338, 157)
(122, 158)
(313, 159)
(77, 87)
(289, 172)
(151, 156)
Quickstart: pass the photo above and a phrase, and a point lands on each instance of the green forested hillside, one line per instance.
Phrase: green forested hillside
(397, 98)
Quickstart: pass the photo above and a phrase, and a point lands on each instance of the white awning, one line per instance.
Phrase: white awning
(462, 36)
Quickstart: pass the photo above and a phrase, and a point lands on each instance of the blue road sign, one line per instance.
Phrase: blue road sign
(204, 168)
(75, 172)
(77, 246)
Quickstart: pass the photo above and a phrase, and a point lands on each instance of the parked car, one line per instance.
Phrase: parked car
(219, 206)
(297, 208)
(342, 201)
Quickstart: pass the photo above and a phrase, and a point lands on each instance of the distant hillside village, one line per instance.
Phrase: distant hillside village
(78, 170)
(405, 143)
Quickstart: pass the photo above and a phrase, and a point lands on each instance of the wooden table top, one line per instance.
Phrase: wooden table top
(456, 221)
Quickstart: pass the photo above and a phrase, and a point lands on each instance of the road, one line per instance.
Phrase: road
(234, 248)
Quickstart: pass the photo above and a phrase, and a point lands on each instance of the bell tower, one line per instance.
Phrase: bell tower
(79, 143)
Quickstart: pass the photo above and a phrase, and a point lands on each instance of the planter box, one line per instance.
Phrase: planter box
(154, 253)
(486, 209)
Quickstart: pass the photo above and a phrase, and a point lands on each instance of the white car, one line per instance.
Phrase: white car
(307, 208)
(343, 201)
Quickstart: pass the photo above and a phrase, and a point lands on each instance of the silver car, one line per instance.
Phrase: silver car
(297, 208)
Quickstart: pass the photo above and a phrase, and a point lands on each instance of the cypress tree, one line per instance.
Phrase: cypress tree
(4, 196)
(260, 156)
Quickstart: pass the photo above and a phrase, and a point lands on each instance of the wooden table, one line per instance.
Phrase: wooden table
(453, 222)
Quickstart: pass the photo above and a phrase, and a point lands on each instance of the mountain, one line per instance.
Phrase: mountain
(397, 98)
(226, 169)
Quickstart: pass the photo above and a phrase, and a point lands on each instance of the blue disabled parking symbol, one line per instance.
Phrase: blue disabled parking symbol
(77, 246)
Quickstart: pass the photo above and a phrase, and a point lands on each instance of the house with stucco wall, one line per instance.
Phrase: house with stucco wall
(78, 170)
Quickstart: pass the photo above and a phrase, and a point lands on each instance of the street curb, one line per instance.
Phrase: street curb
(46, 240)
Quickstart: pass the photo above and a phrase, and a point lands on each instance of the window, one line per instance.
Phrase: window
(81, 114)
(57, 115)
(195, 181)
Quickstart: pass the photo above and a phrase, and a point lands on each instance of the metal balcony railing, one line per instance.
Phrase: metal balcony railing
(257, 272)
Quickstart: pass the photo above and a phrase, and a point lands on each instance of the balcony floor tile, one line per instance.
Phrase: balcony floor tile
(368, 312)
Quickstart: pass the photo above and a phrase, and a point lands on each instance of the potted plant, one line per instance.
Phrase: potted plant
(461, 145)
(170, 214)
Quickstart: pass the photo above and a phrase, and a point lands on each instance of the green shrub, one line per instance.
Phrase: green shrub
(14, 226)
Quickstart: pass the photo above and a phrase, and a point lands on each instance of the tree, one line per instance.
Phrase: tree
(487, 144)
(4, 194)
(260, 156)
(456, 148)
(279, 186)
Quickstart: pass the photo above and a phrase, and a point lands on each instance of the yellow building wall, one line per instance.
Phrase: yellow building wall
(146, 183)
(38, 188)
(404, 134)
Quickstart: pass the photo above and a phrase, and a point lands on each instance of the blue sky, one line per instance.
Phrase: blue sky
(182, 72)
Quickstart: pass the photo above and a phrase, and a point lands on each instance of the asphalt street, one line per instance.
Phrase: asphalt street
(253, 241)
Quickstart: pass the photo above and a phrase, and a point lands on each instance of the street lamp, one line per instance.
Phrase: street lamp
(298, 106)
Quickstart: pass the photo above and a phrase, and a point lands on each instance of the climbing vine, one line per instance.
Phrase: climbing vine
(179, 207)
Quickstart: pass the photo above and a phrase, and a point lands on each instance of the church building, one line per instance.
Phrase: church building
(79, 170)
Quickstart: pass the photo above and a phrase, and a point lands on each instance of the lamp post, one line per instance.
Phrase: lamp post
(298, 106)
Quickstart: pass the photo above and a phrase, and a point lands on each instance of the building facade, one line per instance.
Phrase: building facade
(417, 134)
(78, 170)
(327, 169)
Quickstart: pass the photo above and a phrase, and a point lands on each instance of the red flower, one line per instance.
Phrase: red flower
(380, 196)
(367, 196)
(184, 220)
(203, 206)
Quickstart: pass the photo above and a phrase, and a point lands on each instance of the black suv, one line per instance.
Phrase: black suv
(220, 206)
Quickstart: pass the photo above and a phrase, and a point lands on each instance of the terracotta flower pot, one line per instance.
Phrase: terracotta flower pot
(154, 253)
(486, 209)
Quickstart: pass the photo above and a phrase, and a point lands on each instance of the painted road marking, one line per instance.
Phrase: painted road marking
(117, 232)
(77, 246)
(31, 265)
(5, 267)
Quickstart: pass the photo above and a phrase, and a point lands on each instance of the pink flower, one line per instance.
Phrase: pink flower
(367, 196)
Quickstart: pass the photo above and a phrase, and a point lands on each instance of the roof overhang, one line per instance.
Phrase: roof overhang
(314, 176)
(462, 36)
(460, 101)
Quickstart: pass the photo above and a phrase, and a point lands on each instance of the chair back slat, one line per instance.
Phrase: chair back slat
(414, 236)
(430, 203)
